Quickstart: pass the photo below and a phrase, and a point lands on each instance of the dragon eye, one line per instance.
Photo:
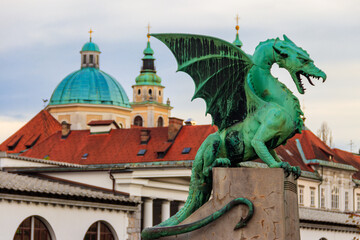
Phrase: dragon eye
(304, 60)
(284, 55)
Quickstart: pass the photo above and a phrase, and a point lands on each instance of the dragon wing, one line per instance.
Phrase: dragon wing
(218, 69)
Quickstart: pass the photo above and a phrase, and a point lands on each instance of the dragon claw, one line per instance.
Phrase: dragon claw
(222, 162)
(296, 171)
(288, 169)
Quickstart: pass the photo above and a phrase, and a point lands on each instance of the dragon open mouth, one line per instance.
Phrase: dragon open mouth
(308, 76)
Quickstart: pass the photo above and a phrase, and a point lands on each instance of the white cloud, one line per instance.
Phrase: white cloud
(327, 29)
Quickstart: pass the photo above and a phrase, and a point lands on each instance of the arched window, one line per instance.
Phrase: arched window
(121, 125)
(99, 231)
(139, 91)
(159, 93)
(150, 91)
(138, 121)
(160, 122)
(32, 228)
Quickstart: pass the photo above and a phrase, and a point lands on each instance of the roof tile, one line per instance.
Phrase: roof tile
(42, 124)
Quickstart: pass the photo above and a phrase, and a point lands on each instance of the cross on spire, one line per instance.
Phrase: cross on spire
(237, 23)
(148, 34)
(91, 31)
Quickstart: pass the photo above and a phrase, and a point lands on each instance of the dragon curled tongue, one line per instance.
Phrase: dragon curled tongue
(254, 112)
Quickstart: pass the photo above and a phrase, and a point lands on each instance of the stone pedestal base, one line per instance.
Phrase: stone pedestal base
(274, 197)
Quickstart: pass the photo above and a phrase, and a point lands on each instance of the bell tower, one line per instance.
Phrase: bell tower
(148, 94)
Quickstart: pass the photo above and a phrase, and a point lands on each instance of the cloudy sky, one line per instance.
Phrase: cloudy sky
(41, 39)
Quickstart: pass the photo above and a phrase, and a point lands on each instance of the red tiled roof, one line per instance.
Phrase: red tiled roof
(121, 145)
(37, 129)
(349, 158)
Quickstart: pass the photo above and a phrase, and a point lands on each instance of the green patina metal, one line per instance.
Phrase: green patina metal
(148, 79)
(89, 86)
(237, 41)
(90, 46)
(179, 229)
(332, 164)
(255, 112)
(148, 76)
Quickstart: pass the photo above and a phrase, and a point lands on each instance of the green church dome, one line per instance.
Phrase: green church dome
(89, 86)
(90, 46)
(148, 78)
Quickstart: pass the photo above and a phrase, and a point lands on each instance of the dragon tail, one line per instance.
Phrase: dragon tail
(163, 231)
(199, 193)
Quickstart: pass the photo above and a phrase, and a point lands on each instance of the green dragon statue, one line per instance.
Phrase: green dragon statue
(254, 112)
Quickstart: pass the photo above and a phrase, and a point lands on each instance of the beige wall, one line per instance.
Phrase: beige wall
(80, 115)
(150, 114)
(157, 93)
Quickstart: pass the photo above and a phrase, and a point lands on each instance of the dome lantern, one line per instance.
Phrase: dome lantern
(90, 54)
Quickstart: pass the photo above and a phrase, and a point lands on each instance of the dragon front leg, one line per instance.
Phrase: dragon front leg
(295, 170)
(268, 130)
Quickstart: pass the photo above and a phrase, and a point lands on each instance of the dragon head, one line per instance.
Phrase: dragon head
(297, 61)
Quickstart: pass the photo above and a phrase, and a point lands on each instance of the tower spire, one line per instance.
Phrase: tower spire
(237, 41)
(148, 60)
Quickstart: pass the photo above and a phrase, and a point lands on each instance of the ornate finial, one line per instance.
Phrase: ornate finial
(237, 23)
(237, 41)
(148, 34)
(91, 31)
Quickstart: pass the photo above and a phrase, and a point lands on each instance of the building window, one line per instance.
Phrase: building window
(301, 195)
(357, 202)
(97, 59)
(160, 122)
(322, 198)
(159, 93)
(150, 91)
(99, 231)
(138, 121)
(91, 59)
(139, 91)
(346, 201)
(32, 228)
(335, 198)
(84, 59)
(312, 197)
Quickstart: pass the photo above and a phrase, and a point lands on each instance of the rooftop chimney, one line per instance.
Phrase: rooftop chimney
(65, 129)
(144, 136)
(175, 125)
